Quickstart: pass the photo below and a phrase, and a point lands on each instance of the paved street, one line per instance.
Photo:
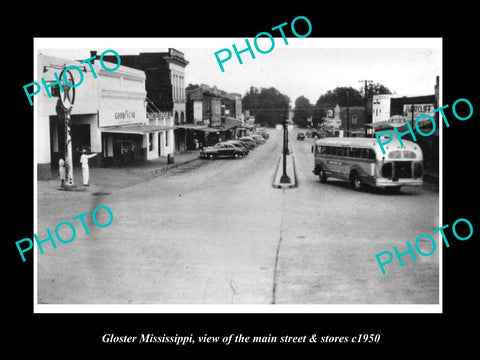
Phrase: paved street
(218, 232)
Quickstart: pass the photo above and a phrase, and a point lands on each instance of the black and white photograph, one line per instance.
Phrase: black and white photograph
(228, 186)
(194, 180)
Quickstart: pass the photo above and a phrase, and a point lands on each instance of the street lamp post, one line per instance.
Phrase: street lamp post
(285, 178)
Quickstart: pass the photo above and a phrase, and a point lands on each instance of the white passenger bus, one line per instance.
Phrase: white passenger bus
(361, 161)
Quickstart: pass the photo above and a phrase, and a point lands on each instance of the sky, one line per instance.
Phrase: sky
(305, 66)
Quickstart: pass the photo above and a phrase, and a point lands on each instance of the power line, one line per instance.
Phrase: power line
(366, 86)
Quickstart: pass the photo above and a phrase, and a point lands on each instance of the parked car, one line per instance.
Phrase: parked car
(258, 138)
(247, 144)
(300, 136)
(241, 146)
(255, 139)
(264, 134)
(250, 140)
(221, 150)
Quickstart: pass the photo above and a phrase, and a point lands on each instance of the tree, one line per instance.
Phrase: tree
(375, 89)
(302, 111)
(268, 105)
(342, 96)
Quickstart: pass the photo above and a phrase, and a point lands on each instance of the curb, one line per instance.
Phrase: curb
(276, 179)
(160, 170)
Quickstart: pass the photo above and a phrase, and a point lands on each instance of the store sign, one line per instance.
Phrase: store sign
(418, 109)
(332, 122)
(124, 115)
(114, 113)
(397, 120)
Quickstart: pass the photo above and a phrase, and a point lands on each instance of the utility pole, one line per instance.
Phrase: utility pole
(366, 97)
(348, 117)
(64, 107)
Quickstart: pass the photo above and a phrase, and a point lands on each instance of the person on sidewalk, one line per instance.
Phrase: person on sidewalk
(61, 171)
(85, 170)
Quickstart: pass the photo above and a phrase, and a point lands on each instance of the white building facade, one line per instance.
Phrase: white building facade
(108, 117)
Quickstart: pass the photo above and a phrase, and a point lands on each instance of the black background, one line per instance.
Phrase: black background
(60, 335)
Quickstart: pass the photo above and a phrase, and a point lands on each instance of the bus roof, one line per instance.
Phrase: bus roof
(371, 143)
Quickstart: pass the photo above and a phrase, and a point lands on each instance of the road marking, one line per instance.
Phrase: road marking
(275, 268)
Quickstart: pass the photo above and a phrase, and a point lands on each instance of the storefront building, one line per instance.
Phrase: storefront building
(165, 86)
(411, 107)
(108, 117)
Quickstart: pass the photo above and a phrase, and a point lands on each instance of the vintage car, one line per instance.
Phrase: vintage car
(264, 134)
(237, 143)
(259, 138)
(221, 150)
(249, 140)
(301, 136)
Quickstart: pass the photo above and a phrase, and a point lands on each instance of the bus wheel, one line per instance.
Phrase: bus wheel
(322, 176)
(355, 181)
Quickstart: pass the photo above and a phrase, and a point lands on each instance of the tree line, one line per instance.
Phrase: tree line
(270, 107)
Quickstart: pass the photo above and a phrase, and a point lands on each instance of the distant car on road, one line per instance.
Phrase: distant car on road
(221, 150)
(301, 136)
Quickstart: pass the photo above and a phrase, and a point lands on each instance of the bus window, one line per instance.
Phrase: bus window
(409, 154)
(328, 150)
(351, 152)
(367, 154)
(397, 154)
(344, 151)
(358, 152)
(323, 149)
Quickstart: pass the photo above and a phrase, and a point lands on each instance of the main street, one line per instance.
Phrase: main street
(217, 232)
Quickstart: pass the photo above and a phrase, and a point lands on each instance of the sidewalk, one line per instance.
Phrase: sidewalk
(109, 179)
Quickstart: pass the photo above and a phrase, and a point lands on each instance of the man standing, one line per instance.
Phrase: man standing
(61, 171)
(85, 170)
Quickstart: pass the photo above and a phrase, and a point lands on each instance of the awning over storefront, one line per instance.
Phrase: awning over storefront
(218, 128)
(384, 125)
(246, 126)
(190, 127)
(134, 129)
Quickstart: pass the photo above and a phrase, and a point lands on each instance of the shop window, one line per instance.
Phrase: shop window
(150, 141)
